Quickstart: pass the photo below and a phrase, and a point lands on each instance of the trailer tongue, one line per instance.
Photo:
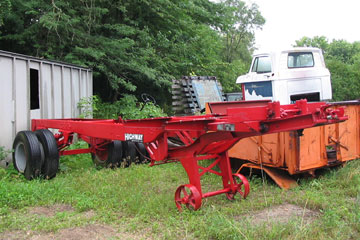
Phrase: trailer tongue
(204, 137)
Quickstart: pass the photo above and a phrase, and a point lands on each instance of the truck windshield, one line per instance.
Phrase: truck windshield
(300, 60)
(261, 65)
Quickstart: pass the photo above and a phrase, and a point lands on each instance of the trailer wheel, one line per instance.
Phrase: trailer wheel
(116, 153)
(129, 153)
(142, 153)
(110, 157)
(50, 164)
(243, 189)
(187, 195)
(242, 186)
(27, 154)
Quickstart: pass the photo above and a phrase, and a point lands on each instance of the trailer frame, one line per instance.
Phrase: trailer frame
(203, 137)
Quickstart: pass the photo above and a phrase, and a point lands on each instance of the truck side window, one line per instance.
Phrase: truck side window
(254, 67)
(261, 65)
(300, 60)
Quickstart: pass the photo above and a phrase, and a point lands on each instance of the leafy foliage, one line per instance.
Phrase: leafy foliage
(135, 46)
(318, 41)
(3, 153)
(239, 34)
(345, 80)
(343, 60)
(5, 6)
(127, 108)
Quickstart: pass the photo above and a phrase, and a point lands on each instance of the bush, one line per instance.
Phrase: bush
(3, 153)
(127, 107)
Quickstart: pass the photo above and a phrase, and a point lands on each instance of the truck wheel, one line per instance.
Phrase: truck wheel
(27, 154)
(142, 154)
(50, 165)
(110, 157)
(129, 153)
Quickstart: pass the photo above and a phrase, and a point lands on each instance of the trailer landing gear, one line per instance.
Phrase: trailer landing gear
(187, 195)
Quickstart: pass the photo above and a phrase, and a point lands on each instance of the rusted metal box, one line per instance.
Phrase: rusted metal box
(315, 148)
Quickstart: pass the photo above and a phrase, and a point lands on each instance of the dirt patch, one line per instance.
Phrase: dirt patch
(88, 214)
(96, 231)
(50, 211)
(283, 213)
(14, 235)
(354, 200)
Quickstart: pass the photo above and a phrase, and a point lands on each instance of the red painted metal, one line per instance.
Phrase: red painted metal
(75, 151)
(204, 137)
(242, 186)
(188, 195)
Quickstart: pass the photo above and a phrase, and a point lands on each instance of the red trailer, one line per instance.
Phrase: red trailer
(187, 139)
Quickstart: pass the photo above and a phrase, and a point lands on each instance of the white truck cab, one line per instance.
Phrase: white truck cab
(287, 76)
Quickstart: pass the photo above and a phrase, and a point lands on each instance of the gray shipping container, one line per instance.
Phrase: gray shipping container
(33, 88)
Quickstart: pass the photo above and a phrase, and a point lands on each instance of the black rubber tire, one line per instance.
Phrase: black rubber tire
(113, 158)
(27, 154)
(116, 153)
(129, 154)
(142, 154)
(50, 165)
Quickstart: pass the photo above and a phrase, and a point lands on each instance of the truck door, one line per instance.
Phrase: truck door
(260, 85)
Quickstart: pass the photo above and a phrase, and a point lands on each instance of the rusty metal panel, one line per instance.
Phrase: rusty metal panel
(282, 180)
(291, 151)
(266, 149)
(246, 149)
(349, 135)
(312, 150)
(345, 137)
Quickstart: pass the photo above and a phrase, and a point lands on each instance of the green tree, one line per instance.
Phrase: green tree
(134, 46)
(236, 27)
(5, 6)
(343, 50)
(238, 30)
(318, 41)
(343, 60)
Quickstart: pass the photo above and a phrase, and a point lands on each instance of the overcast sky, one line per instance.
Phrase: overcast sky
(289, 20)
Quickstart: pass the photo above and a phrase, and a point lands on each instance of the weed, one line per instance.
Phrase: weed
(4, 153)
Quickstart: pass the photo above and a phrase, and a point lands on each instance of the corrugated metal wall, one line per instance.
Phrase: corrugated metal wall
(34, 88)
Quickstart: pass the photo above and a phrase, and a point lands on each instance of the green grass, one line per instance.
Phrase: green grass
(140, 199)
